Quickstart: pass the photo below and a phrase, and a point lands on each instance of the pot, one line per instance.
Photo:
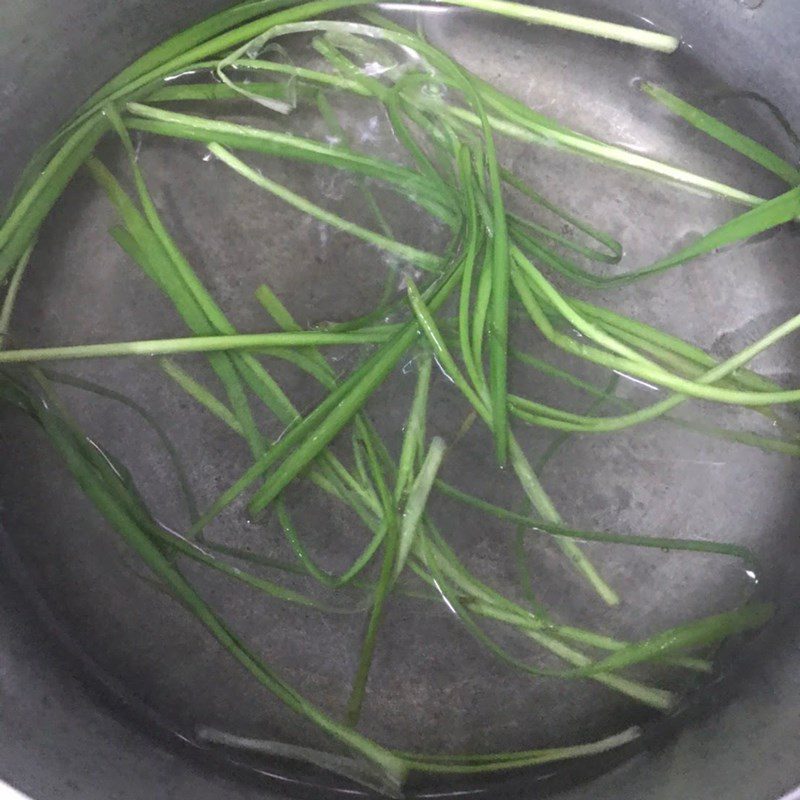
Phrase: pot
(68, 732)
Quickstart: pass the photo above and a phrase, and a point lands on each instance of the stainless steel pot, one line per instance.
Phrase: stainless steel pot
(64, 736)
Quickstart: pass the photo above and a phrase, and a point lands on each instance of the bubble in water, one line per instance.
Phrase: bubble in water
(751, 4)
(370, 131)
(752, 575)
(374, 69)
(433, 89)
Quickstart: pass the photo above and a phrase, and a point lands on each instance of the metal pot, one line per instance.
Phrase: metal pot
(64, 735)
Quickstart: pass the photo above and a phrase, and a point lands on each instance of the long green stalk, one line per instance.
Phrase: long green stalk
(195, 344)
(728, 136)
(572, 22)
(411, 254)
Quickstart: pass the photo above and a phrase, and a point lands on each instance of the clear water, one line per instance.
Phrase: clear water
(432, 687)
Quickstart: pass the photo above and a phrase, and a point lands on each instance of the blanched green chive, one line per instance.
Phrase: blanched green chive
(416, 502)
(728, 136)
(411, 254)
(7, 308)
(194, 344)
(414, 435)
(200, 394)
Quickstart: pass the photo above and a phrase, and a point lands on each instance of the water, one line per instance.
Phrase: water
(431, 687)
